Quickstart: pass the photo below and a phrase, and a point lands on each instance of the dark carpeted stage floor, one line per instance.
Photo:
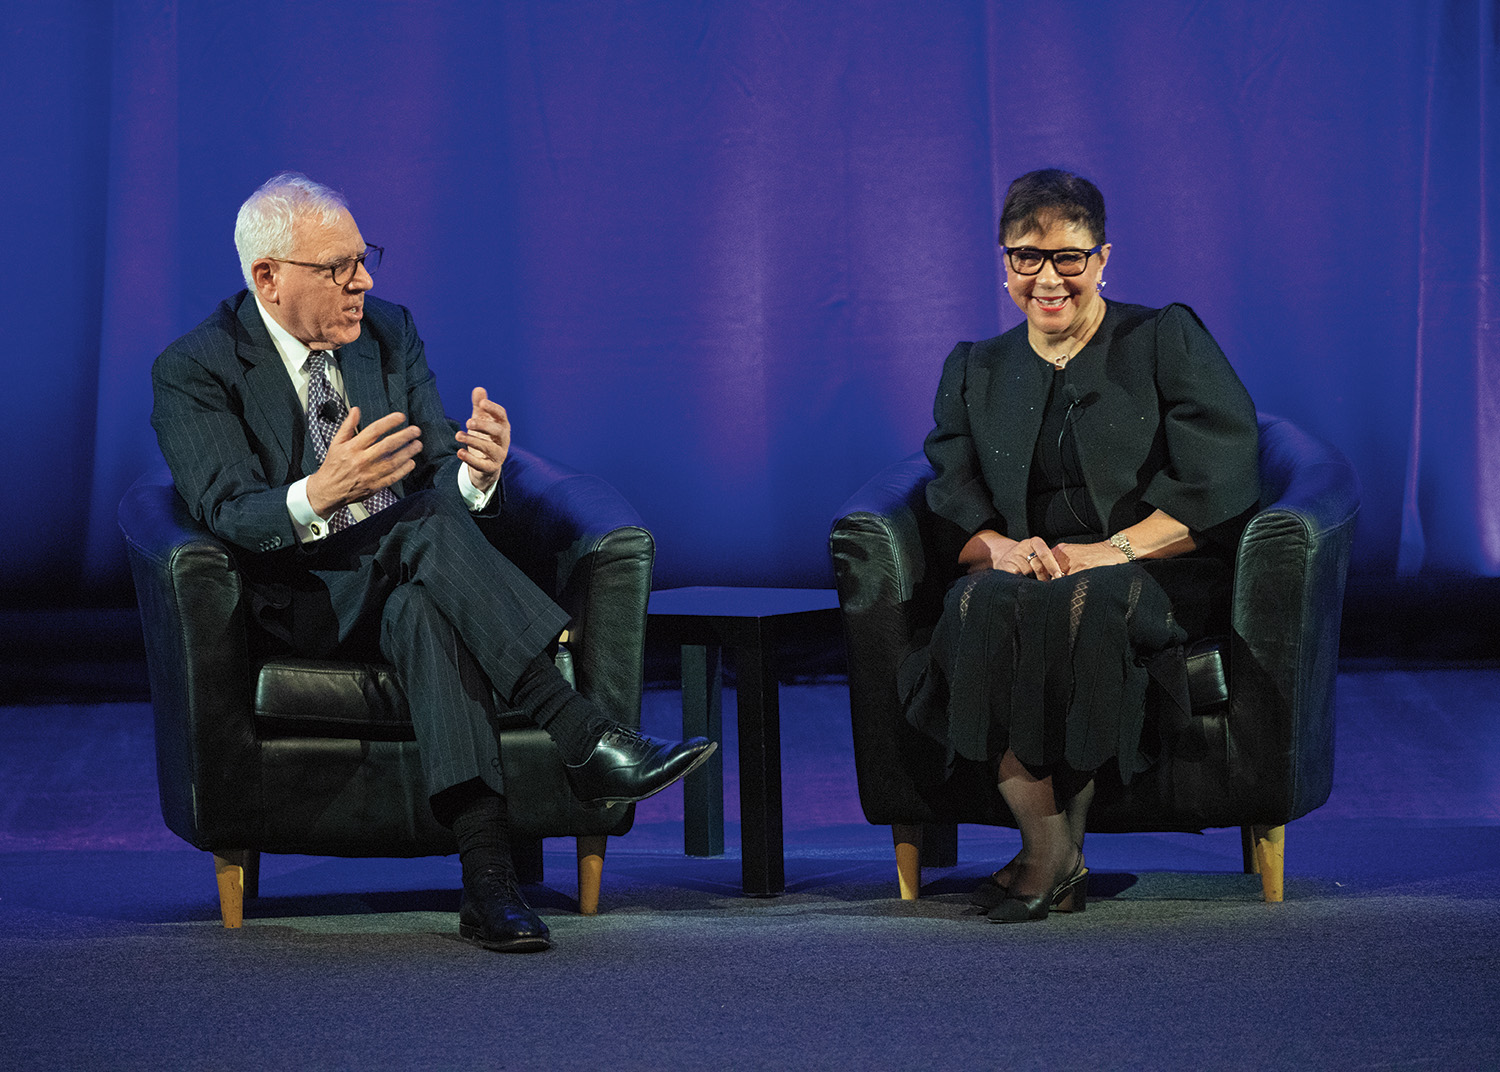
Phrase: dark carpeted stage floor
(1386, 953)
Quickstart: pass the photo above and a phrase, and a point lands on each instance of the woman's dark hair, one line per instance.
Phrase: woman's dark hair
(1038, 198)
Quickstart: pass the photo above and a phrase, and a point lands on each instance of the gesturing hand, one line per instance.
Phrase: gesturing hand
(358, 464)
(486, 440)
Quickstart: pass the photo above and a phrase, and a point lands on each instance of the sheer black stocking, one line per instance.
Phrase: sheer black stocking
(1077, 808)
(1051, 828)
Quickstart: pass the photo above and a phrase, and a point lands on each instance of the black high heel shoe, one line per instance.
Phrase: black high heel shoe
(989, 893)
(1071, 895)
(992, 892)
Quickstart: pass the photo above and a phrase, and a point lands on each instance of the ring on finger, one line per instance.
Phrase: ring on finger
(1030, 556)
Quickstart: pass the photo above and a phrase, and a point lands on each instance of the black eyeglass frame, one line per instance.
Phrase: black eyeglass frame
(371, 252)
(1049, 255)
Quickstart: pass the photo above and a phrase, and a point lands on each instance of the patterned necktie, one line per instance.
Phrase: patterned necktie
(325, 412)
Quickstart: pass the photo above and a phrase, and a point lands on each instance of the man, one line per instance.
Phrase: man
(302, 425)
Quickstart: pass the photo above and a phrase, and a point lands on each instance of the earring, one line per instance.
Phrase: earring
(1099, 285)
(1005, 285)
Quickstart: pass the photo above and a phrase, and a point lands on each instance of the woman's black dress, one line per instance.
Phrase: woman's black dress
(1075, 671)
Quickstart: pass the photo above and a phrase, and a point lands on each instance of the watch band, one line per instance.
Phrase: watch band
(1122, 541)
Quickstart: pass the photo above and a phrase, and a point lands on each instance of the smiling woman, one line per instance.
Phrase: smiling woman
(1052, 228)
(1096, 465)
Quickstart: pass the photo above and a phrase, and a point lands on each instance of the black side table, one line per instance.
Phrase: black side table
(752, 621)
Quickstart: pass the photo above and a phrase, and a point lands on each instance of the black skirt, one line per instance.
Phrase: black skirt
(1076, 671)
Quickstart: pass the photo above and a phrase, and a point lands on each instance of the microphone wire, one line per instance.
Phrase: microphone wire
(1070, 393)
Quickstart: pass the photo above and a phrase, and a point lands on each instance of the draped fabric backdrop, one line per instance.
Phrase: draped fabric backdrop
(716, 252)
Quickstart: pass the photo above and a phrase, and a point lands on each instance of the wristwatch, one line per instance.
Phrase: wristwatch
(1122, 541)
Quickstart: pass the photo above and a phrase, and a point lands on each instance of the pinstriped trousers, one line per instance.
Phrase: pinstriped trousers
(457, 620)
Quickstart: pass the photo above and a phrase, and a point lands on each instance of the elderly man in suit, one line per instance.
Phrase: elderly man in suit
(303, 426)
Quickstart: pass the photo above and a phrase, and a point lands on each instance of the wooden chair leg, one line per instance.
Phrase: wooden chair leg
(231, 868)
(1270, 860)
(590, 871)
(908, 839)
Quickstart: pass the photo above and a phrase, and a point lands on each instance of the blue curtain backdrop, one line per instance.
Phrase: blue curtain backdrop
(716, 252)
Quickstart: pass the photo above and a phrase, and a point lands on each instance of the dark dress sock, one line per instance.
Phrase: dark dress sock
(570, 719)
(482, 825)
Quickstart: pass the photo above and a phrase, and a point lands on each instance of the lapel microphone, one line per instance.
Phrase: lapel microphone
(1073, 397)
(329, 411)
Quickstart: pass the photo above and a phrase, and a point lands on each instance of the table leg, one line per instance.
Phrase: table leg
(758, 717)
(702, 716)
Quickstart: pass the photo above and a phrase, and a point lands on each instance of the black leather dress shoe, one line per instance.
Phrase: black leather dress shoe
(627, 766)
(497, 917)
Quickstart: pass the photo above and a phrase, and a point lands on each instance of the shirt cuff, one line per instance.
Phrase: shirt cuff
(476, 499)
(308, 525)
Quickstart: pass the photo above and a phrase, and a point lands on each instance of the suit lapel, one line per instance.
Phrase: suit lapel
(363, 383)
(1016, 388)
(270, 389)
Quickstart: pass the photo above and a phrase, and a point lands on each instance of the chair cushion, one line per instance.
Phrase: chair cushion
(347, 700)
(317, 698)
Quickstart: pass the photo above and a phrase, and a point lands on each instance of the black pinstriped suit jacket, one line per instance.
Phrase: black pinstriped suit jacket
(235, 436)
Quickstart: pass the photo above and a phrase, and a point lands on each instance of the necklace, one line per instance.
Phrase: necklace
(1060, 361)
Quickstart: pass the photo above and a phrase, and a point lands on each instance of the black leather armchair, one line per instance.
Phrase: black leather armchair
(1258, 749)
(301, 756)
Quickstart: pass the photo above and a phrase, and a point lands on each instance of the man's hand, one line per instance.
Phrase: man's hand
(486, 441)
(358, 464)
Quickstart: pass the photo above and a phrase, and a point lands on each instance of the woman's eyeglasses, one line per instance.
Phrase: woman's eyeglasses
(1028, 260)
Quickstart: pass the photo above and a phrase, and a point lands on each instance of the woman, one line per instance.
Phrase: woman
(1099, 462)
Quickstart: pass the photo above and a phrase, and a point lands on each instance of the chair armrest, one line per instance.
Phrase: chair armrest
(890, 600)
(197, 656)
(879, 550)
(579, 539)
(1292, 564)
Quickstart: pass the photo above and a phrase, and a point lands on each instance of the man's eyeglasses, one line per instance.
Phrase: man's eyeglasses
(343, 271)
(1028, 260)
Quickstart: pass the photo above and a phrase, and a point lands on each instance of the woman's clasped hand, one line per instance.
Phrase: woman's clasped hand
(1033, 557)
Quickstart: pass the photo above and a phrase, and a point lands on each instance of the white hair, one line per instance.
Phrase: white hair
(267, 221)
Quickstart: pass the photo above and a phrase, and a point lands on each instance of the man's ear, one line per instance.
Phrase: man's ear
(263, 273)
